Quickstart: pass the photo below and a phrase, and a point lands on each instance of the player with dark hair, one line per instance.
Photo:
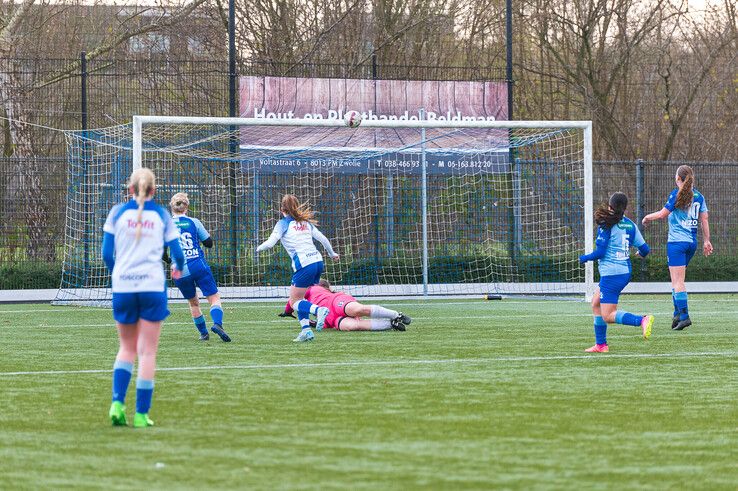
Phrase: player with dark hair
(346, 312)
(686, 209)
(296, 231)
(135, 235)
(615, 236)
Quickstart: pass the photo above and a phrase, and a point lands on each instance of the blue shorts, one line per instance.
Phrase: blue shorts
(200, 276)
(308, 276)
(680, 253)
(611, 286)
(128, 308)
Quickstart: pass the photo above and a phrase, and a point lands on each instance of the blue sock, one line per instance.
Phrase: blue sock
(216, 313)
(600, 327)
(627, 318)
(121, 378)
(304, 307)
(200, 324)
(673, 299)
(144, 392)
(681, 303)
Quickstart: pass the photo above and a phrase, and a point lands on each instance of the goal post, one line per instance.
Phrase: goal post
(414, 207)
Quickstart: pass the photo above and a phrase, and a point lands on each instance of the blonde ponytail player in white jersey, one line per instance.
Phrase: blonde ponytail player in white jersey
(135, 234)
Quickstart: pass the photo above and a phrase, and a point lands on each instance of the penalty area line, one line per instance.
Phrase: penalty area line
(448, 361)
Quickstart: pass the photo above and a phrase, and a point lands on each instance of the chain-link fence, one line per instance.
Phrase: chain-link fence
(31, 243)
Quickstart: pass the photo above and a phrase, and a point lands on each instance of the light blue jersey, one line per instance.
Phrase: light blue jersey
(618, 240)
(191, 233)
(683, 222)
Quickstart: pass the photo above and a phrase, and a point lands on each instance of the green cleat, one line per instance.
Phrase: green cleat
(142, 421)
(117, 414)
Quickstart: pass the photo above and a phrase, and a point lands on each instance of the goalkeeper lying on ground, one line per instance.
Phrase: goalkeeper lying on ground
(346, 312)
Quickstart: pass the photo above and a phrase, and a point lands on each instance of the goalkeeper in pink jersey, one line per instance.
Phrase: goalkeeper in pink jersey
(346, 312)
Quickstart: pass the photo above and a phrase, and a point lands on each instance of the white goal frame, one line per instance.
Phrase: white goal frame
(587, 288)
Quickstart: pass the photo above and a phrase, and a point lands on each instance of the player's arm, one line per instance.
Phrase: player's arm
(705, 226)
(108, 245)
(171, 240)
(108, 250)
(203, 234)
(288, 311)
(657, 215)
(317, 234)
(603, 238)
(277, 233)
(663, 212)
(640, 243)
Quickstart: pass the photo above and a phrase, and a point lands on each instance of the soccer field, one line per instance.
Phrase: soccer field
(474, 395)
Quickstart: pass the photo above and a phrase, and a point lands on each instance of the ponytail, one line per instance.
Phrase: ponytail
(142, 186)
(685, 194)
(608, 215)
(300, 212)
(180, 203)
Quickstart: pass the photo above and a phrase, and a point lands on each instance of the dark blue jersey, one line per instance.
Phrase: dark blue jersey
(191, 233)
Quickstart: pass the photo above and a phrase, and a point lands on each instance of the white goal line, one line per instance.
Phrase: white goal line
(392, 363)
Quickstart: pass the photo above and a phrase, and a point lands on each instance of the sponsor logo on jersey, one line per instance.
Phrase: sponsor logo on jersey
(134, 277)
(145, 224)
(300, 227)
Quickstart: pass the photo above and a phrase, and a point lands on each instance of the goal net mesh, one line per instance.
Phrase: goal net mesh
(504, 207)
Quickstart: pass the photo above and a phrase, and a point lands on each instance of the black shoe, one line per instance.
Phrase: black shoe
(204, 336)
(682, 324)
(675, 321)
(397, 324)
(405, 319)
(217, 329)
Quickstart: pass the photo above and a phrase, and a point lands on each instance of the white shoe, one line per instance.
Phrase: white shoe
(305, 335)
(320, 317)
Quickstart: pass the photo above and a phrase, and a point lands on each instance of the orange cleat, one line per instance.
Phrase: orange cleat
(598, 348)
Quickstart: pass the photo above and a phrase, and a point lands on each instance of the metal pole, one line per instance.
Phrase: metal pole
(640, 207)
(509, 37)
(85, 164)
(424, 204)
(233, 140)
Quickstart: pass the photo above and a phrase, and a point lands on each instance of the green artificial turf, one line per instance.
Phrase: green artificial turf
(475, 395)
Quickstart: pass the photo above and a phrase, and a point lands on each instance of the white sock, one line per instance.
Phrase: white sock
(379, 312)
(314, 308)
(380, 324)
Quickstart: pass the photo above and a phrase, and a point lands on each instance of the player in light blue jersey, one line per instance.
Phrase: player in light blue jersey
(296, 230)
(686, 209)
(134, 239)
(616, 234)
(197, 273)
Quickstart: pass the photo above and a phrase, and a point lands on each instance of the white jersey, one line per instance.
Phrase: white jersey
(297, 240)
(138, 265)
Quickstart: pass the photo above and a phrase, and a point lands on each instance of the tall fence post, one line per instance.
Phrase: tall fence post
(233, 140)
(85, 162)
(640, 210)
(424, 204)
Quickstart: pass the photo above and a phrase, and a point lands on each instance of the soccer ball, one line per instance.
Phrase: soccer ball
(353, 119)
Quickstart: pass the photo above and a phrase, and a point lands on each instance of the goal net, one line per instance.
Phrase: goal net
(412, 207)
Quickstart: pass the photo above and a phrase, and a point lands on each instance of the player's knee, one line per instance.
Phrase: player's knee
(609, 317)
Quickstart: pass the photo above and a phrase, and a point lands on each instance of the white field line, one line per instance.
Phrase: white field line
(429, 303)
(390, 363)
(490, 317)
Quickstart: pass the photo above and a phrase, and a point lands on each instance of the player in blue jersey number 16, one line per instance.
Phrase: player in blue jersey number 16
(615, 236)
(686, 209)
(197, 273)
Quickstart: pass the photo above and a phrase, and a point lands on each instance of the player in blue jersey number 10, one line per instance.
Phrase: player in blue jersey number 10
(197, 273)
(615, 236)
(686, 209)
